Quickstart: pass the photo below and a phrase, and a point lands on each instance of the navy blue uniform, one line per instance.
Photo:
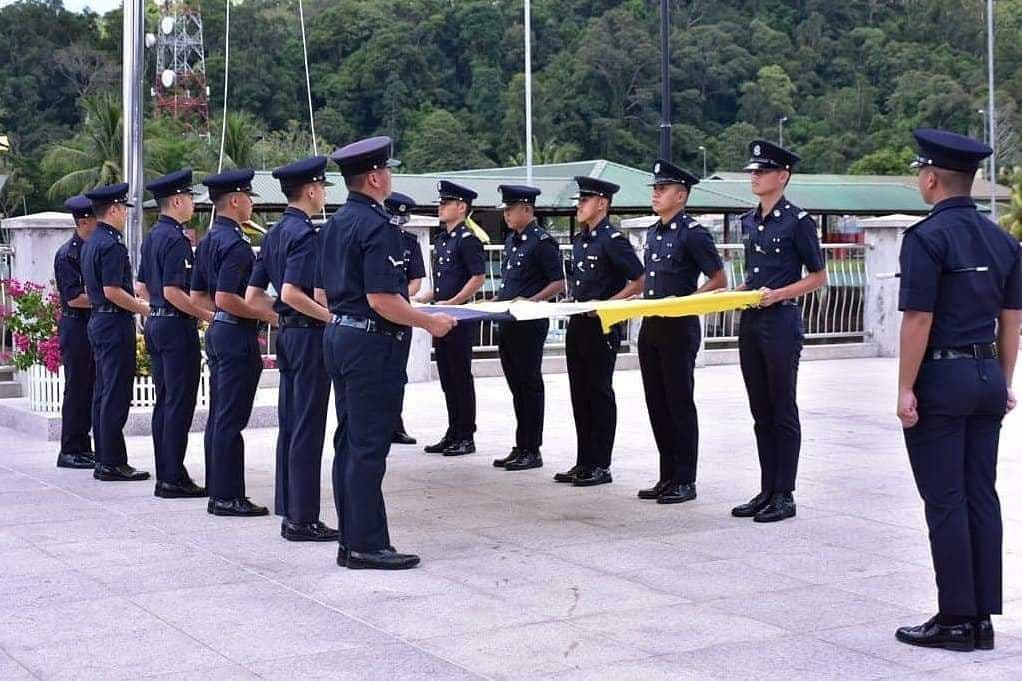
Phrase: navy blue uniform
(531, 262)
(112, 335)
(289, 255)
(366, 357)
(777, 248)
(172, 339)
(75, 350)
(602, 263)
(223, 262)
(962, 268)
(458, 257)
(677, 252)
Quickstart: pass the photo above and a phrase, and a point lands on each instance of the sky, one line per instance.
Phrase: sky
(98, 6)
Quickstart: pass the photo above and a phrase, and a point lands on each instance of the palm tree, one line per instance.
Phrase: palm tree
(240, 139)
(1012, 219)
(93, 157)
(550, 151)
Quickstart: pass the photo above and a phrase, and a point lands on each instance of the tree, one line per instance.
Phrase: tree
(440, 142)
(765, 100)
(885, 161)
(93, 157)
(1012, 219)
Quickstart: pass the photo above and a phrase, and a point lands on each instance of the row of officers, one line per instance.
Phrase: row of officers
(344, 310)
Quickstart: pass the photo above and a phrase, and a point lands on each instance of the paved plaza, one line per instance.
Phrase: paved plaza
(521, 578)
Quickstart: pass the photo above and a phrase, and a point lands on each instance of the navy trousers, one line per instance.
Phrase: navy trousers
(769, 349)
(303, 398)
(112, 336)
(235, 366)
(173, 344)
(667, 361)
(591, 356)
(454, 364)
(369, 376)
(953, 452)
(520, 345)
(79, 378)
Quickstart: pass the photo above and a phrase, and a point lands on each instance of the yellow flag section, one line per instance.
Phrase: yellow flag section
(613, 311)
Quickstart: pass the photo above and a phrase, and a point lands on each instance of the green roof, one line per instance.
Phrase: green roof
(721, 193)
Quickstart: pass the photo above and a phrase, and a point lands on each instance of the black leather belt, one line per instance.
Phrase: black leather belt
(300, 321)
(368, 325)
(228, 318)
(73, 313)
(166, 312)
(978, 351)
(109, 308)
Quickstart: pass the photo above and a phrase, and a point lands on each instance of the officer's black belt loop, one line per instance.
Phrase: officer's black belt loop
(228, 318)
(300, 321)
(978, 351)
(367, 325)
(109, 308)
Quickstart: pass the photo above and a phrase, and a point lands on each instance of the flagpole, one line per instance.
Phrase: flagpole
(991, 106)
(528, 93)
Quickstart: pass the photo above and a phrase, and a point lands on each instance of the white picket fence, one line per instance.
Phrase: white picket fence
(46, 390)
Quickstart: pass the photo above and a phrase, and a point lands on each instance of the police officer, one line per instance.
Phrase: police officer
(171, 335)
(75, 350)
(780, 241)
(223, 265)
(288, 259)
(678, 250)
(401, 207)
(459, 272)
(107, 274)
(604, 267)
(532, 269)
(363, 270)
(961, 292)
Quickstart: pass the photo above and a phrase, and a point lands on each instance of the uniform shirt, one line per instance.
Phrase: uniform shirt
(964, 269)
(531, 262)
(363, 253)
(289, 255)
(166, 260)
(223, 260)
(67, 270)
(415, 266)
(602, 262)
(676, 252)
(459, 256)
(779, 245)
(105, 263)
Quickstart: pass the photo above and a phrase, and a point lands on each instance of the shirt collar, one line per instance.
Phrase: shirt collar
(297, 212)
(167, 220)
(953, 202)
(674, 220)
(779, 208)
(359, 197)
(109, 229)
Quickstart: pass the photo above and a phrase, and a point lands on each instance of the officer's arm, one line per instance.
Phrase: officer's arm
(549, 291)
(234, 304)
(414, 286)
(915, 334)
(202, 300)
(141, 290)
(632, 288)
(395, 308)
(298, 299)
(177, 297)
(468, 291)
(1008, 341)
(125, 301)
(717, 281)
(320, 296)
(80, 301)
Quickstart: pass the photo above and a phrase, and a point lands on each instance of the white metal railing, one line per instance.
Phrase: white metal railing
(46, 390)
(833, 313)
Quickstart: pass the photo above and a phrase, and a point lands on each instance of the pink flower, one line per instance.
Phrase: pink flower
(21, 343)
(49, 349)
(13, 287)
(269, 362)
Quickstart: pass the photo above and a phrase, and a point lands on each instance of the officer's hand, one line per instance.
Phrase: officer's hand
(770, 297)
(440, 324)
(143, 306)
(907, 409)
(442, 302)
(271, 318)
(1012, 402)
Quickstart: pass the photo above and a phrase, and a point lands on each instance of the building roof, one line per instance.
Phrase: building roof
(721, 193)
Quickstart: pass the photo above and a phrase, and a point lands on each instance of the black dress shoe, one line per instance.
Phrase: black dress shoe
(752, 507)
(460, 448)
(781, 507)
(438, 448)
(590, 477)
(121, 473)
(235, 507)
(984, 634)
(512, 455)
(655, 491)
(677, 493)
(384, 559)
(75, 460)
(400, 437)
(568, 475)
(342, 555)
(314, 531)
(529, 458)
(960, 637)
(186, 489)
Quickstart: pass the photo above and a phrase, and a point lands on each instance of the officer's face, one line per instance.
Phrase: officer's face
(766, 182)
(451, 211)
(116, 216)
(243, 204)
(318, 196)
(927, 181)
(590, 209)
(669, 199)
(518, 215)
(186, 206)
(86, 226)
(383, 180)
